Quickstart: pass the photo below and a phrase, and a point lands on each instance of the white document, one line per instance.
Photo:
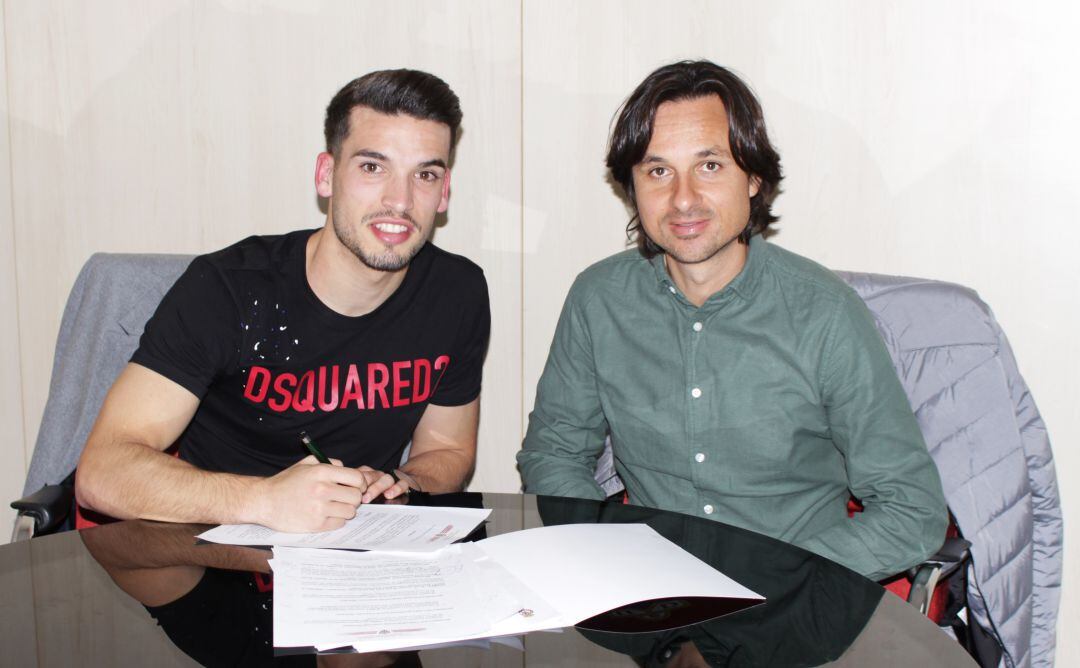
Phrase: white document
(375, 527)
(381, 600)
(587, 569)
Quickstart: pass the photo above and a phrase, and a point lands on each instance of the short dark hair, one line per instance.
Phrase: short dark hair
(410, 92)
(750, 147)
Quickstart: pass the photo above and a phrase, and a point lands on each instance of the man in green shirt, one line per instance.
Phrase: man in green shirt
(738, 381)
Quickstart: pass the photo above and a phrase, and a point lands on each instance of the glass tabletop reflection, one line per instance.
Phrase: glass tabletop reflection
(139, 593)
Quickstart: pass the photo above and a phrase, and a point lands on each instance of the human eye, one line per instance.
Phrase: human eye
(659, 172)
(711, 166)
(428, 176)
(370, 167)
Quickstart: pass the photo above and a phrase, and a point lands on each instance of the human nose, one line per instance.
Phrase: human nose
(684, 196)
(398, 195)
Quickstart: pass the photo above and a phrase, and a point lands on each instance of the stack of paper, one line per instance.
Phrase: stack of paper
(415, 589)
(381, 601)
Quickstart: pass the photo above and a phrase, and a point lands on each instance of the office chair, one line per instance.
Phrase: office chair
(113, 297)
(985, 434)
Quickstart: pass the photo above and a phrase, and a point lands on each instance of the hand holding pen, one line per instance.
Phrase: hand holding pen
(379, 483)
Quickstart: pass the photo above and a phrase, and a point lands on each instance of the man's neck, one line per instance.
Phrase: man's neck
(702, 280)
(341, 281)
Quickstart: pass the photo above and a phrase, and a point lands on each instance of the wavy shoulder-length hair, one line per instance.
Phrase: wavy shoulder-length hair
(750, 146)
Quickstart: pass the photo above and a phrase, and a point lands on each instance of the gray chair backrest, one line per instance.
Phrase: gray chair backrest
(113, 297)
(990, 445)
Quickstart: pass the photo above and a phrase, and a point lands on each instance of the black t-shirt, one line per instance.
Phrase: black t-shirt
(243, 331)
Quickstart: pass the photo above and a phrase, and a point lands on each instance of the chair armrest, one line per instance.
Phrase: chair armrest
(954, 549)
(48, 507)
(953, 553)
(924, 577)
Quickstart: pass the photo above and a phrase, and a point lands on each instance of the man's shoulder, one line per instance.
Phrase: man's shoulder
(613, 273)
(257, 252)
(449, 263)
(448, 271)
(803, 276)
(620, 264)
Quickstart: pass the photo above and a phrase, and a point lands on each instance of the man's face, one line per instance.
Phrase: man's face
(693, 199)
(389, 179)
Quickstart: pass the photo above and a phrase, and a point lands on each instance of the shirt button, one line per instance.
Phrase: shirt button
(696, 392)
(708, 509)
(671, 289)
(698, 326)
(699, 457)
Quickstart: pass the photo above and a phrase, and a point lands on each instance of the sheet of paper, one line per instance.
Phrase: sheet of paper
(586, 569)
(532, 612)
(375, 527)
(378, 600)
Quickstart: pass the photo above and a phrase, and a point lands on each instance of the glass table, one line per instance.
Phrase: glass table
(77, 599)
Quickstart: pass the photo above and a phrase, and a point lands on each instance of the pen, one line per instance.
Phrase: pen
(312, 448)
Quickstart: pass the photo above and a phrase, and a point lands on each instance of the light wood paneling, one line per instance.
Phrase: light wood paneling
(185, 126)
(15, 454)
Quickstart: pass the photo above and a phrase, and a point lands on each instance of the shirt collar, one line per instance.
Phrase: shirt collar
(744, 285)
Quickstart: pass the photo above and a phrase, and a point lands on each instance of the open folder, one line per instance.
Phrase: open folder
(532, 580)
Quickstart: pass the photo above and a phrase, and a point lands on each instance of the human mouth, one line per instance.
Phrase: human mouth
(391, 233)
(688, 228)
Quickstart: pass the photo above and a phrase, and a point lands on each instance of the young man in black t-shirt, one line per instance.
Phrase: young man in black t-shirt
(360, 333)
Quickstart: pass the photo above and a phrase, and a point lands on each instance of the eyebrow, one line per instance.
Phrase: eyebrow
(375, 155)
(368, 153)
(712, 151)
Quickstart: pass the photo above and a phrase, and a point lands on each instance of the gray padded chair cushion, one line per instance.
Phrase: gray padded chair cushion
(113, 297)
(990, 445)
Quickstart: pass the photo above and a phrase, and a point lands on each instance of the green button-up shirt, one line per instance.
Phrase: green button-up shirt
(764, 408)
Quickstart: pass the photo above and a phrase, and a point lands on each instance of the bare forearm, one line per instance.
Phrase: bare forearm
(125, 473)
(444, 447)
(440, 471)
(128, 480)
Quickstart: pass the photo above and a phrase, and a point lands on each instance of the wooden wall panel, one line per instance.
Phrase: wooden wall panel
(15, 453)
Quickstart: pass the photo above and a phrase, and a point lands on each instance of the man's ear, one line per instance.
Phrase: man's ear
(324, 175)
(755, 184)
(445, 201)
